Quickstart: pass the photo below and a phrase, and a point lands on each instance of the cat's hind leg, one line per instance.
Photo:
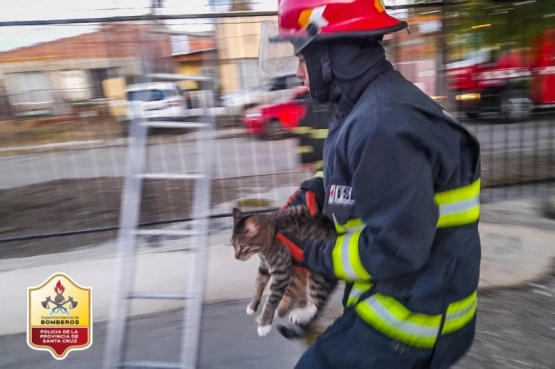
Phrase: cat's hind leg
(318, 292)
(261, 281)
(280, 281)
(296, 291)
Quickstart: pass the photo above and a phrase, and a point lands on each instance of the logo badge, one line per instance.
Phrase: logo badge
(340, 195)
(59, 316)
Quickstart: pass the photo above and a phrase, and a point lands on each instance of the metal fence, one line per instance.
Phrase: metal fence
(63, 118)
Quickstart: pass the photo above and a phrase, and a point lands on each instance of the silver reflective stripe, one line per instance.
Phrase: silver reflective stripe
(401, 325)
(459, 207)
(347, 267)
(356, 291)
(458, 314)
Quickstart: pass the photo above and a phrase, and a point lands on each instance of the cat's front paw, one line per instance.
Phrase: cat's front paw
(263, 330)
(250, 311)
(302, 315)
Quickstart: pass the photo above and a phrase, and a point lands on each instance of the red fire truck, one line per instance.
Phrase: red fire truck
(510, 82)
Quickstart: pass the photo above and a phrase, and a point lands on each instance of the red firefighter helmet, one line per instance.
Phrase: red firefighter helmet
(302, 21)
(323, 19)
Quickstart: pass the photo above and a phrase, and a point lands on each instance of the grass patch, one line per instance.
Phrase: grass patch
(40, 131)
(254, 203)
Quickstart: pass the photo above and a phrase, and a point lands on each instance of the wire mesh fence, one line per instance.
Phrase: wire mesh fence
(64, 116)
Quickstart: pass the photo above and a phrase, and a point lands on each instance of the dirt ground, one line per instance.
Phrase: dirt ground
(516, 327)
(73, 205)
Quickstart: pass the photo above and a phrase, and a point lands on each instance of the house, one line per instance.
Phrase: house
(194, 55)
(238, 46)
(47, 78)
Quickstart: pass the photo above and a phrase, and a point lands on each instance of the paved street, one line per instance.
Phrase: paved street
(515, 331)
(234, 157)
(229, 340)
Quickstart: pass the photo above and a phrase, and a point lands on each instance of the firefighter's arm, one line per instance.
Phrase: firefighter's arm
(392, 188)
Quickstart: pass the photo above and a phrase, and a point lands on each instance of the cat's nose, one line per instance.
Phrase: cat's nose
(237, 254)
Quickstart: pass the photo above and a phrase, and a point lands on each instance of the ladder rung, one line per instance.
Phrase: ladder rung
(166, 232)
(160, 124)
(151, 364)
(157, 296)
(171, 176)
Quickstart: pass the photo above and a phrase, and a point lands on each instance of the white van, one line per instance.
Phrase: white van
(277, 88)
(156, 101)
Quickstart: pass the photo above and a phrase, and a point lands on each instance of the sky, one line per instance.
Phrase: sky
(19, 10)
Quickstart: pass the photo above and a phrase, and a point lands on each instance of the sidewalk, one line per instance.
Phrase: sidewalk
(518, 248)
(219, 134)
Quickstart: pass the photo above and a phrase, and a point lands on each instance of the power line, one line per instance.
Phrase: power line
(136, 18)
(151, 17)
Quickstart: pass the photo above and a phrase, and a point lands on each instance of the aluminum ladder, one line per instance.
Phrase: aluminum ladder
(115, 348)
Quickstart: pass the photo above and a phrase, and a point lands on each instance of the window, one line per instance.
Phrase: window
(279, 84)
(293, 81)
(145, 95)
(97, 76)
(30, 88)
(302, 98)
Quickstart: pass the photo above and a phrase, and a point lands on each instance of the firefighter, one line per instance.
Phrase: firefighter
(401, 180)
(312, 131)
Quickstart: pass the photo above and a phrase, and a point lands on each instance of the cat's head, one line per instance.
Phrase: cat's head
(250, 234)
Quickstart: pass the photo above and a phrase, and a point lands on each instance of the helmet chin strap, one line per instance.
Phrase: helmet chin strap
(326, 64)
(320, 72)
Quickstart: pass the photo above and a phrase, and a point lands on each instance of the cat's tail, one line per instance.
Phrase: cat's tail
(307, 331)
(293, 331)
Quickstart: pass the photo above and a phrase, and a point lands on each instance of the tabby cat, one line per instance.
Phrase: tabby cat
(256, 234)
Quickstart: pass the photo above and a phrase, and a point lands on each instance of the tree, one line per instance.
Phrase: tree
(496, 23)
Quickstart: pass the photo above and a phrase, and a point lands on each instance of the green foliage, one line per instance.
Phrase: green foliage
(499, 24)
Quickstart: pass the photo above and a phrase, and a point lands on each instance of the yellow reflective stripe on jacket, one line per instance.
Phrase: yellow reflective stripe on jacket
(305, 149)
(394, 320)
(352, 225)
(346, 258)
(318, 134)
(460, 313)
(319, 174)
(345, 254)
(302, 130)
(357, 290)
(317, 165)
(460, 206)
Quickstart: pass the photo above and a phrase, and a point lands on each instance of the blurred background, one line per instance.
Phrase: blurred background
(73, 83)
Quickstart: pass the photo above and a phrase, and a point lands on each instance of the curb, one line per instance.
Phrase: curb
(226, 133)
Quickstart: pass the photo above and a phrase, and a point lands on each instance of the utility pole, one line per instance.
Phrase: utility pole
(240, 6)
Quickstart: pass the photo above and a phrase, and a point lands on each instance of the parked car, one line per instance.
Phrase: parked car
(156, 101)
(274, 121)
(237, 102)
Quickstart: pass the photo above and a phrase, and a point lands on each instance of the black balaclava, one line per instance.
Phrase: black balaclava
(343, 68)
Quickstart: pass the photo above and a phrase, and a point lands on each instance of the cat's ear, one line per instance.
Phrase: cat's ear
(237, 214)
(252, 226)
